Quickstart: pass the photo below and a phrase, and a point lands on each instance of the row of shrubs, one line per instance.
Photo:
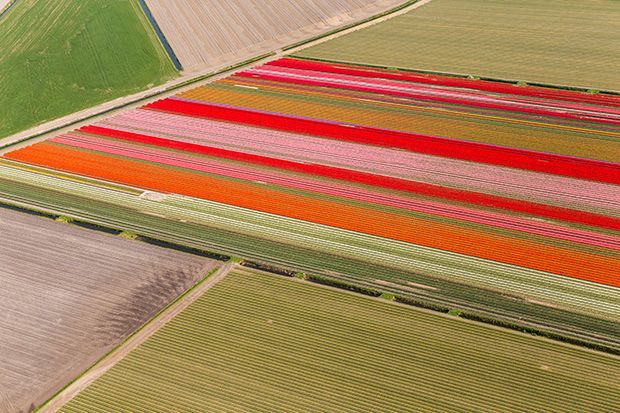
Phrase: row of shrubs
(114, 231)
(268, 268)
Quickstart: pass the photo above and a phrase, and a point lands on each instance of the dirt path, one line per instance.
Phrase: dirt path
(70, 295)
(141, 336)
(77, 119)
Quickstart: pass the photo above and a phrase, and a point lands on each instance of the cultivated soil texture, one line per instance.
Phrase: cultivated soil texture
(212, 33)
(257, 342)
(563, 42)
(69, 295)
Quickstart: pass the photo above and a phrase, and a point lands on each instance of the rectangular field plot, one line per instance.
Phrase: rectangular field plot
(207, 34)
(260, 343)
(389, 178)
(561, 42)
(68, 295)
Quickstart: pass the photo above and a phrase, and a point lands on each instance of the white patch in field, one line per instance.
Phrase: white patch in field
(153, 196)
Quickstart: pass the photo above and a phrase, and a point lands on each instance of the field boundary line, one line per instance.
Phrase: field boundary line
(108, 361)
(297, 279)
(184, 82)
(160, 35)
(582, 89)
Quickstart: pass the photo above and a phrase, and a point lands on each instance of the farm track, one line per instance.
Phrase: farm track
(69, 295)
(265, 363)
(149, 218)
(55, 403)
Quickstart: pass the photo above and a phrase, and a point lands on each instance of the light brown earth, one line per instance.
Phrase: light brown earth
(140, 337)
(209, 33)
(69, 295)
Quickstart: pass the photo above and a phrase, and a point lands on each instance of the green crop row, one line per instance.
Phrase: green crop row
(262, 343)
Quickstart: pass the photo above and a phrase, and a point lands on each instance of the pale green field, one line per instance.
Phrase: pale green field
(61, 56)
(263, 343)
(562, 42)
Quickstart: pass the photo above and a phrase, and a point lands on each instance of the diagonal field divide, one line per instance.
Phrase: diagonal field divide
(74, 388)
(187, 81)
(5, 5)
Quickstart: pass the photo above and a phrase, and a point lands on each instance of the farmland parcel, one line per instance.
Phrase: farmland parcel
(212, 33)
(260, 343)
(562, 42)
(69, 295)
(392, 179)
(57, 57)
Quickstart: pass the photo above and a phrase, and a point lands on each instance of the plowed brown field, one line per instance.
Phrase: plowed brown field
(208, 34)
(69, 295)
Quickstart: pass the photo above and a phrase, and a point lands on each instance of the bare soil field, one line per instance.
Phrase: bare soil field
(69, 295)
(205, 34)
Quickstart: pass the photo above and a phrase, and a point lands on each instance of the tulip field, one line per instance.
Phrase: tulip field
(426, 176)
(418, 204)
(261, 343)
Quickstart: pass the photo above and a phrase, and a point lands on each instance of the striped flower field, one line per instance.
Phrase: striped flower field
(523, 177)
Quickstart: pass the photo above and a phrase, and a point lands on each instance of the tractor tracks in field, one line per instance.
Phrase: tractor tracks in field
(150, 328)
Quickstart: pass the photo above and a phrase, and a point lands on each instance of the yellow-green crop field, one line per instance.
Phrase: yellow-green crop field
(561, 42)
(258, 342)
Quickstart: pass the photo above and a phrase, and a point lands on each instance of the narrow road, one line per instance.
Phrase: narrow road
(140, 337)
(92, 114)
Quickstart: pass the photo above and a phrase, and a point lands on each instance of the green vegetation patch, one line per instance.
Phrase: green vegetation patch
(58, 57)
(562, 42)
(264, 343)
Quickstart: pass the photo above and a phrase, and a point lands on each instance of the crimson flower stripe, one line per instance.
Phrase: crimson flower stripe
(419, 188)
(483, 85)
(450, 148)
(479, 101)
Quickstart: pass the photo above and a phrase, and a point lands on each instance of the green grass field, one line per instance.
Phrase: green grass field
(562, 42)
(58, 57)
(263, 343)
